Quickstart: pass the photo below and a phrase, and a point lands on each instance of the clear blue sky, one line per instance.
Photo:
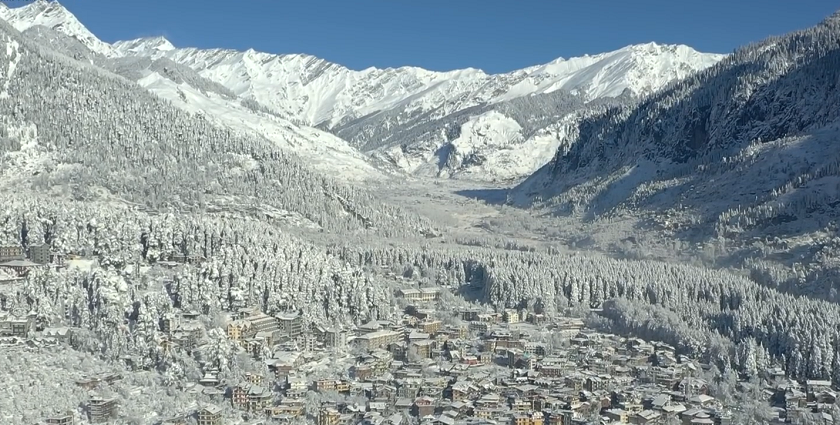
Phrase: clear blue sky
(492, 35)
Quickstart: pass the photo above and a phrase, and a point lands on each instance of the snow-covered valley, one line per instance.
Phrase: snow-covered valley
(209, 233)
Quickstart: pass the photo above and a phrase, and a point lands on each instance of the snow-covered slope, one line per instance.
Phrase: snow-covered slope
(53, 15)
(742, 156)
(361, 106)
(323, 151)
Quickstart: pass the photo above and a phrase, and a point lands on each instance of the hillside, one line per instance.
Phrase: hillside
(75, 129)
(741, 156)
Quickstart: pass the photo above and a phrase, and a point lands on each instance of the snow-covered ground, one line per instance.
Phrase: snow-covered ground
(323, 151)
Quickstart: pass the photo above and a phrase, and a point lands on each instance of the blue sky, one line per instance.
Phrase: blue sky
(493, 35)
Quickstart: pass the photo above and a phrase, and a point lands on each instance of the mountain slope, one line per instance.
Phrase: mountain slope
(741, 152)
(54, 16)
(190, 91)
(73, 129)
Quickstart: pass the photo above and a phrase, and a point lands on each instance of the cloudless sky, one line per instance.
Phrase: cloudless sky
(492, 35)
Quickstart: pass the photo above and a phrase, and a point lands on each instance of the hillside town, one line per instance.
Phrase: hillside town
(435, 365)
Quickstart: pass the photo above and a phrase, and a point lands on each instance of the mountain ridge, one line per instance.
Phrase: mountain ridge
(423, 107)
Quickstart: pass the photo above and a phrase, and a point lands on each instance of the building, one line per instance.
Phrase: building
(378, 339)
(329, 416)
(210, 415)
(334, 337)
(102, 410)
(63, 418)
(22, 327)
(290, 324)
(40, 254)
(261, 322)
(239, 330)
(430, 326)
(21, 267)
(11, 252)
(422, 294)
(511, 316)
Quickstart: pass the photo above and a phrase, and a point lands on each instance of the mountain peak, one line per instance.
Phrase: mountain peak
(51, 14)
(143, 45)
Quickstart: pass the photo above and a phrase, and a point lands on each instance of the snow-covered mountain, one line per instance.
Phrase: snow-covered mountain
(189, 90)
(53, 15)
(369, 108)
(742, 155)
(429, 107)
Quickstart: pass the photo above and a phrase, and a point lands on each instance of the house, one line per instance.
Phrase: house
(815, 386)
(20, 267)
(19, 327)
(329, 416)
(645, 417)
(617, 415)
(59, 334)
(62, 418)
(210, 415)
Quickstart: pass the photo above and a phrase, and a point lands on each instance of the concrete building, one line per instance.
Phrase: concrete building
(378, 339)
(290, 324)
(40, 254)
(102, 410)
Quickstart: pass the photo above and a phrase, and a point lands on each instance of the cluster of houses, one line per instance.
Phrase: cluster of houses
(482, 368)
(469, 367)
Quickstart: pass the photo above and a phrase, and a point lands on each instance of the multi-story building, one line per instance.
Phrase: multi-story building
(421, 294)
(40, 254)
(335, 338)
(168, 322)
(296, 386)
(11, 252)
(337, 385)
(329, 416)
(290, 324)
(102, 410)
(378, 339)
(511, 316)
(239, 330)
(210, 415)
(430, 326)
(261, 322)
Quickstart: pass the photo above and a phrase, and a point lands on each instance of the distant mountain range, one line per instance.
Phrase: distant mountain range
(462, 123)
